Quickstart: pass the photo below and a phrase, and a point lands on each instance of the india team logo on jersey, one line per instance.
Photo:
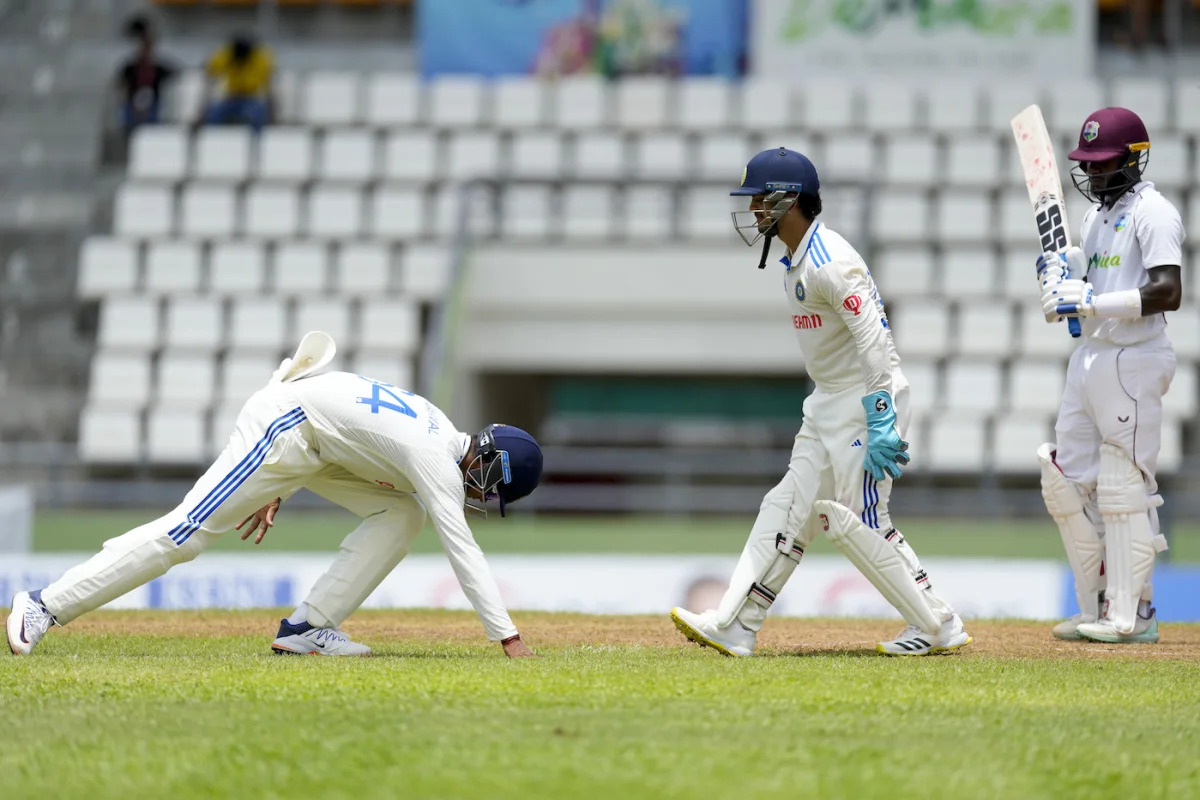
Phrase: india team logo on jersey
(1121, 223)
(800, 293)
(1091, 130)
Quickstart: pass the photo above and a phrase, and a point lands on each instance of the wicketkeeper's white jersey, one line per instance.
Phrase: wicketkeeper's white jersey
(838, 315)
(401, 441)
(1141, 231)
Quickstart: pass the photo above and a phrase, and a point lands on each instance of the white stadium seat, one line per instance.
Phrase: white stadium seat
(390, 326)
(389, 367)
(348, 155)
(410, 156)
(208, 210)
(662, 156)
(705, 215)
(287, 97)
(829, 104)
(1041, 339)
(580, 102)
(899, 217)
(720, 154)
(1187, 105)
(107, 266)
(186, 380)
(175, 437)
(364, 268)
(641, 103)
(1070, 103)
(301, 268)
(1170, 453)
(1180, 401)
(196, 323)
(647, 212)
(890, 106)
(393, 99)
(973, 161)
(222, 154)
(851, 157)
(600, 155)
(110, 436)
(957, 443)
(329, 315)
(587, 212)
(330, 98)
(1006, 99)
(272, 212)
(398, 213)
(969, 272)
(904, 272)
(924, 384)
(425, 272)
(953, 105)
(172, 267)
(921, 327)
(1183, 329)
(183, 96)
(1149, 97)
(1015, 440)
(473, 155)
(285, 154)
(243, 374)
(764, 104)
(704, 104)
(119, 380)
(129, 323)
(335, 212)
(143, 210)
(518, 102)
(973, 385)
(536, 154)
(236, 267)
(159, 152)
(964, 216)
(1170, 161)
(1016, 224)
(456, 101)
(481, 213)
(1036, 385)
(527, 212)
(912, 160)
(258, 324)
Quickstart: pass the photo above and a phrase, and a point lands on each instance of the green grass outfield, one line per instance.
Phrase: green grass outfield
(190, 705)
(75, 531)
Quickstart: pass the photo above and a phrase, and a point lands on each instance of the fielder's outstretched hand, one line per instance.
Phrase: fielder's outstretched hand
(263, 519)
(515, 648)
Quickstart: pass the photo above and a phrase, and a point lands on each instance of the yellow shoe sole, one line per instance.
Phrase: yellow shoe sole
(694, 635)
(935, 651)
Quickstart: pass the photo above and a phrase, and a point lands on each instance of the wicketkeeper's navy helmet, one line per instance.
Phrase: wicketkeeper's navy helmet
(507, 466)
(780, 175)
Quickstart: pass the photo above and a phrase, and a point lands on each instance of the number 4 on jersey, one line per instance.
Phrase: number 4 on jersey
(376, 402)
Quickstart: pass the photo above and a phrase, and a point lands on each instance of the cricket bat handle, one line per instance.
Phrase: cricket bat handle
(1074, 327)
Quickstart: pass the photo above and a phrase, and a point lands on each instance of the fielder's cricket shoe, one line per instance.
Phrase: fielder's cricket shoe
(1145, 631)
(303, 639)
(27, 623)
(1068, 629)
(913, 641)
(735, 640)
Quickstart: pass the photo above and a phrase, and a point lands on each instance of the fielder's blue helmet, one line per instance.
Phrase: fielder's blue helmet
(779, 170)
(507, 465)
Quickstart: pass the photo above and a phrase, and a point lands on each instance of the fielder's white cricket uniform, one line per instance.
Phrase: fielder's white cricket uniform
(1116, 379)
(840, 324)
(387, 455)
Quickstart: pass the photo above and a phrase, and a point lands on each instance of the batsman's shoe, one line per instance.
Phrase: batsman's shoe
(1068, 629)
(27, 623)
(303, 639)
(913, 641)
(702, 629)
(1145, 631)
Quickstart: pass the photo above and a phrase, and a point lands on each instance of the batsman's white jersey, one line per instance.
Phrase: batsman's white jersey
(848, 350)
(385, 454)
(1116, 379)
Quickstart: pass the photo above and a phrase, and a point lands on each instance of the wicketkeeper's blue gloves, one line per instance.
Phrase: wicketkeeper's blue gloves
(885, 449)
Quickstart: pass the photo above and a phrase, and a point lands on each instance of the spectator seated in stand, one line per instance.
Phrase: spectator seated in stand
(245, 71)
(141, 77)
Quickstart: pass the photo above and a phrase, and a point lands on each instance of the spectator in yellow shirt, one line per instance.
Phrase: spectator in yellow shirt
(245, 70)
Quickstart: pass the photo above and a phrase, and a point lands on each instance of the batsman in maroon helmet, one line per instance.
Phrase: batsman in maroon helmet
(1098, 480)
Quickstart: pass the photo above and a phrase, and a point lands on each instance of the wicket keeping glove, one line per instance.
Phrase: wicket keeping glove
(886, 454)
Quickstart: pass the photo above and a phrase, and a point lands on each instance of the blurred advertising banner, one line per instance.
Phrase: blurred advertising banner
(796, 39)
(569, 37)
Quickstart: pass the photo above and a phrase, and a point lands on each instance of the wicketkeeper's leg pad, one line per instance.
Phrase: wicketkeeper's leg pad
(1081, 540)
(1130, 539)
(880, 562)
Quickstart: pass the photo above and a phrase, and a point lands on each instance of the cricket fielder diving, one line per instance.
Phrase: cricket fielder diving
(387, 455)
(850, 444)
(1098, 479)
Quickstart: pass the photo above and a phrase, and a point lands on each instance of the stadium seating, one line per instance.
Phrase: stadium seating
(225, 246)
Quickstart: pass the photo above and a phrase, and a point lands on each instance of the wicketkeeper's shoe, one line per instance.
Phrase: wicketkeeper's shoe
(913, 641)
(303, 639)
(1068, 629)
(735, 640)
(1145, 631)
(27, 623)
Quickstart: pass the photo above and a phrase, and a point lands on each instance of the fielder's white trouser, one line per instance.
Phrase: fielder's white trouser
(270, 454)
(826, 464)
(1108, 435)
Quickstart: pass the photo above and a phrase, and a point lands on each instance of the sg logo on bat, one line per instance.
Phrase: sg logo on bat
(1051, 228)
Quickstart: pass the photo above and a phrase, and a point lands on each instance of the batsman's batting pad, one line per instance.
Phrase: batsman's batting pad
(1081, 540)
(1130, 541)
(880, 563)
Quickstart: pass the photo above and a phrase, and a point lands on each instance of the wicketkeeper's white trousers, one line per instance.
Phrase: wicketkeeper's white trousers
(270, 454)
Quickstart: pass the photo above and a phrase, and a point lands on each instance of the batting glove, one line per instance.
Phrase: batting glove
(1074, 298)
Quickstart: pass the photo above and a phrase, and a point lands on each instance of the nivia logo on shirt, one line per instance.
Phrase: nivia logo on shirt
(1103, 261)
